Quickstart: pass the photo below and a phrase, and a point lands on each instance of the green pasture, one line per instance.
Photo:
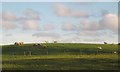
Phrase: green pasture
(60, 56)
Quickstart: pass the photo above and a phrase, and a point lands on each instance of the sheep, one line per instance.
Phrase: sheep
(44, 46)
(100, 48)
(115, 52)
(19, 43)
(16, 43)
(46, 41)
(105, 42)
(35, 44)
(55, 41)
(22, 43)
(39, 44)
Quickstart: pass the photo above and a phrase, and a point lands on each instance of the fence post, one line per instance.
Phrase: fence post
(64, 51)
(47, 52)
(30, 53)
(13, 53)
(24, 53)
(97, 51)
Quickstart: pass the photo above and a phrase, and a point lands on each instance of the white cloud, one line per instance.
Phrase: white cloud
(97, 0)
(30, 20)
(8, 35)
(8, 15)
(109, 21)
(106, 26)
(90, 33)
(8, 20)
(79, 14)
(63, 10)
(31, 14)
(0, 16)
(89, 25)
(93, 40)
(47, 34)
(49, 26)
(85, 3)
(30, 25)
(104, 12)
(8, 25)
(68, 26)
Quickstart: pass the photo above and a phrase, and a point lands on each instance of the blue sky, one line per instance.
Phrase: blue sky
(30, 22)
(60, 0)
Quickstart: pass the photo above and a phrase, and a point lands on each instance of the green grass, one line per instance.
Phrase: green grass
(60, 56)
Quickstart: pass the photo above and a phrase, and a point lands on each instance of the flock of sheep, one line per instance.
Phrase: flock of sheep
(38, 44)
(45, 46)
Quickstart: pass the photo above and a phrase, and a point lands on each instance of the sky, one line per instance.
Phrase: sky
(60, 0)
(71, 22)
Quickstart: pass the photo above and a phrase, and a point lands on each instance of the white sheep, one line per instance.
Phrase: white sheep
(115, 52)
(55, 41)
(44, 46)
(100, 48)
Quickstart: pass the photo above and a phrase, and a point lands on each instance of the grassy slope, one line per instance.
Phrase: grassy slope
(60, 57)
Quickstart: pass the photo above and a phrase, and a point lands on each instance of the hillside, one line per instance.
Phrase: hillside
(60, 56)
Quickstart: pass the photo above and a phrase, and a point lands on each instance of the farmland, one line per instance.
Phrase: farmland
(60, 56)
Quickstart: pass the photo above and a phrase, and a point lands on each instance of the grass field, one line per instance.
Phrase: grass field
(60, 56)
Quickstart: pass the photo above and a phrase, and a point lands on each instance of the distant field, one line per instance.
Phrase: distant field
(60, 56)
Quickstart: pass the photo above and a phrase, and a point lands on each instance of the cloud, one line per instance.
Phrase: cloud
(93, 40)
(90, 33)
(8, 16)
(85, 3)
(90, 25)
(109, 21)
(49, 26)
(68, 26)
(0, 16)
(46, 34)
(30, 25)
(8, 35)
(79, 14)
(104, 12)
(97, 0)
(31, 14)
(30, 20)
(8, 20)
(63, 10)
(8, 25)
